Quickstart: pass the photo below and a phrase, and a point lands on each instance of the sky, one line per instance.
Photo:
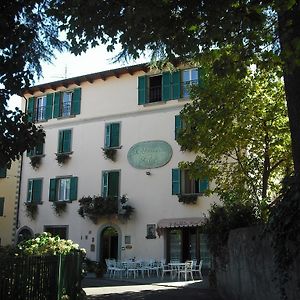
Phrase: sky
(67, 65)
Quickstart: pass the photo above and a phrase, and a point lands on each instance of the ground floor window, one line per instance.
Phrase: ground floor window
(187, 243)
(109, 242)
(61, 231)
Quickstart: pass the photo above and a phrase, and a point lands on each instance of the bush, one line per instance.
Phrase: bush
(45, 244)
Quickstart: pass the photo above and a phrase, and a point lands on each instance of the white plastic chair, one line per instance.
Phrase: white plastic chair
(187, 270)
(198, 269)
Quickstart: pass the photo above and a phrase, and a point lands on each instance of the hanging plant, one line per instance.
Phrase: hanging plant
(109, 153)
(188, 199)
(62, 158)
(31, 210)
(59, 207)
(35, 161)
(126, 210)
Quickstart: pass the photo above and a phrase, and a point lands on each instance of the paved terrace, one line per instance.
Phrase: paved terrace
(152, 288)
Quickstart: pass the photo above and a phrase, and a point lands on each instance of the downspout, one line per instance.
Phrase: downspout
(20, 179)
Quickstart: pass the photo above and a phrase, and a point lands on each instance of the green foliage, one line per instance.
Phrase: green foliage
(45, 244)
(59, 207)
(96, 207)
(284, 225)
(110, 153)
(35, 161)
(224, 218)
(31, 35)
(238, 127)
(62, 158)
(188, 199)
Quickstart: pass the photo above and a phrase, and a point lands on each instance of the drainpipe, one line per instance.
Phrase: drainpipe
(20, 179)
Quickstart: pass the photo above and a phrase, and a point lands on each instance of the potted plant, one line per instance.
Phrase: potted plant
(35, 161)
(62, 158)
(188, 198)
(110, 153)
(31, 210)
(59, 207)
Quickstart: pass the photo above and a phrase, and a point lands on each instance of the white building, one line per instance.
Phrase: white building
(132, 110)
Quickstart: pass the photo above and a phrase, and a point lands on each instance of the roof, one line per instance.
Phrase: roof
(87, 78)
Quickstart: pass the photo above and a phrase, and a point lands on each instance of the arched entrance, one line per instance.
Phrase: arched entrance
(24, 234)
(109, 243)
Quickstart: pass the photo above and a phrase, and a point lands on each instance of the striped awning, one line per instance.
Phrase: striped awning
(179, 222)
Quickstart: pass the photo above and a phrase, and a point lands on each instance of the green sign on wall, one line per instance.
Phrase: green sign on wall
(149, 154)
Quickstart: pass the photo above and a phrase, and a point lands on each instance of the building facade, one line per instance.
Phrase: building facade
(9, 197)
(112, 134)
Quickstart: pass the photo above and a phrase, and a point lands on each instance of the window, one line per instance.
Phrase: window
(34, 190)
(36, 151)
(67, 103)
(1, 206)
(61, 231)
(3, 172)
(63, 189)
(157, 88)
(41, 103)
(110, 184)
(40, 108)
(182, 183)
(189, 77)
(112, 135)
(64, 141)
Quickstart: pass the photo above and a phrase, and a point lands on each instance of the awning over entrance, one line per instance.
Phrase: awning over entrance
(179, 222)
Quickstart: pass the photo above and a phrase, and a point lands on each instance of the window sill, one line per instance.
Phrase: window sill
(111, 148)
(34, 203)
(40, 121)
(37, 155)
(64, 153)
(155, 103)
(65, 117)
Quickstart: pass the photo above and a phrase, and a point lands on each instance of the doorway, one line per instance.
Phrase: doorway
(109, 242)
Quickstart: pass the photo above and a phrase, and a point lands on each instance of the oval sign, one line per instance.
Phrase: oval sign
(149, 154)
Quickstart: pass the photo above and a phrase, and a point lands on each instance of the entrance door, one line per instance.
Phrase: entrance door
(109, 243)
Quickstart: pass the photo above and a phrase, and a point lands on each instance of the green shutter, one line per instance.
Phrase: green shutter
(176, 182)
(166, 86)
(203, 185)
(3, 172)
(76, 99)
(114, 134)
(52, 190)
(67, 140)
(39, 149)
(37, 191)
(49, 106)
(30, 153)
(142, 90)
(176, 85)
(104, 184)
(200, 80)
(178, 125)
(1, 206)
(60, 141)
(29, 190)
(113, 184)
(107, 136)
(73, 188)
(30, 111)
(56, 108)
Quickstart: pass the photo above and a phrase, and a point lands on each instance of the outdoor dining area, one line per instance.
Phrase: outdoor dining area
(175, 269)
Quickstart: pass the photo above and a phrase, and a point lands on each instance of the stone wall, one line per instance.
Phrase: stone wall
(249, 271)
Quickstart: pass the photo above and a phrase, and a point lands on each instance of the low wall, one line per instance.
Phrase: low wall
(249, 272)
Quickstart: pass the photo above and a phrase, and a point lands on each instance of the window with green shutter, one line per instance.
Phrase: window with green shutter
(36, 151)
(67, 103)
(63, 189)
(30, 109)
(1, 206)
(64, 141)
(112, 135)
(189, 77)
(183, 183)
(34, 190)
(3, 172)
(110, 184)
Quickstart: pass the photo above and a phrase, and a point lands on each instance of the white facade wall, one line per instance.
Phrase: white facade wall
(113, 100)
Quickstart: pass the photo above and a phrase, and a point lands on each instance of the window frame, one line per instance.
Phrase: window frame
(105, 186)
(60, 146)
(189, 82)
(108, 135)
(31, 182)
(40, 110)
(2, 199)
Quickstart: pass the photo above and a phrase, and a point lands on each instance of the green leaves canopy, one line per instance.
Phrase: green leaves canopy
(239, 129)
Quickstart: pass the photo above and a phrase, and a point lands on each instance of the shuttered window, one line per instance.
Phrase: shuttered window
(34, 190)
(110, 184)
(112, 135)
(3, 172)
(1, 206)
(63, 189)
(178, 125)
(64, 141)
(182, 183)
(38, 150)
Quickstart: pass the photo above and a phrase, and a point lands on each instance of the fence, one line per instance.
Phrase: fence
(40, 277)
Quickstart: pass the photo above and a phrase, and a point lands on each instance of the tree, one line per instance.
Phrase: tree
(29, 35)
(239, 129)
(260, 32)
